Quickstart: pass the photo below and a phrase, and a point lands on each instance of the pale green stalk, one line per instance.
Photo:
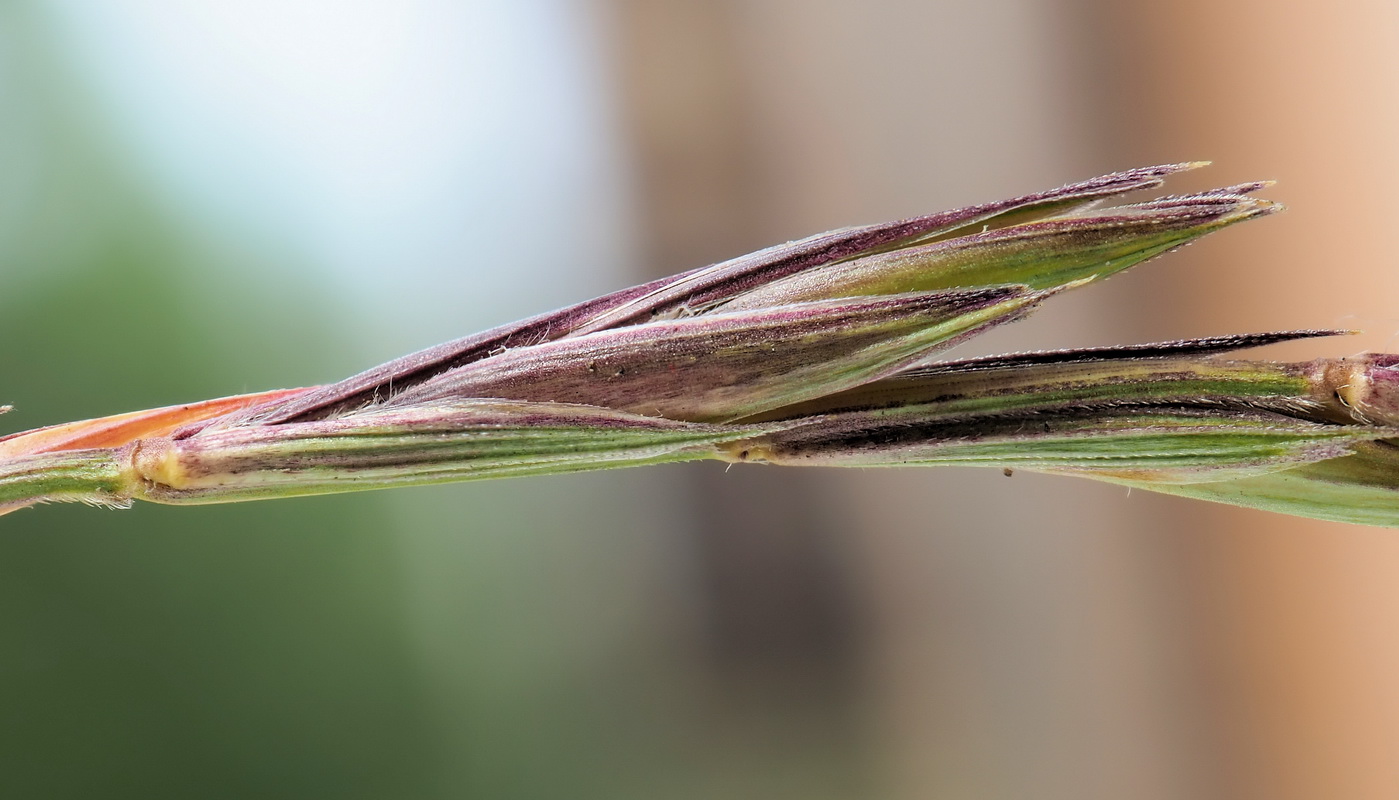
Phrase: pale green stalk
(408, 446)
(1360, 487)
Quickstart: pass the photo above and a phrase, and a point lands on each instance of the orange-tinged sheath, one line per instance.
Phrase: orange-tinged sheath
(122, 429)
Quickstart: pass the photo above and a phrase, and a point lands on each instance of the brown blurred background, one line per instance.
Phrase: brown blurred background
(1042, 637)
(695, 631)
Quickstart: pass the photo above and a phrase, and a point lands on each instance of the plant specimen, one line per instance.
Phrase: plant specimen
(815, 352)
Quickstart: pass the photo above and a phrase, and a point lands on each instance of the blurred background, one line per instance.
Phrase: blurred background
(200, 199)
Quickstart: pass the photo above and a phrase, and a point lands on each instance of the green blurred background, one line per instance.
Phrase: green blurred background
(200, 199)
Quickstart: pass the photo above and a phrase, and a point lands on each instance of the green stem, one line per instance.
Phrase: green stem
(90, 476)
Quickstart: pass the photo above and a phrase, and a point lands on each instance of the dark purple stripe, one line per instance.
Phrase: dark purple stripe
(1172, 349)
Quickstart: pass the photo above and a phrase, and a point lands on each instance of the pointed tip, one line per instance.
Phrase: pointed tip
(1166, 169)
(1160, 171)
(1216, 204)
(1257, 206)
(1121, 182)
(1042, 294)
(1245, 188)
